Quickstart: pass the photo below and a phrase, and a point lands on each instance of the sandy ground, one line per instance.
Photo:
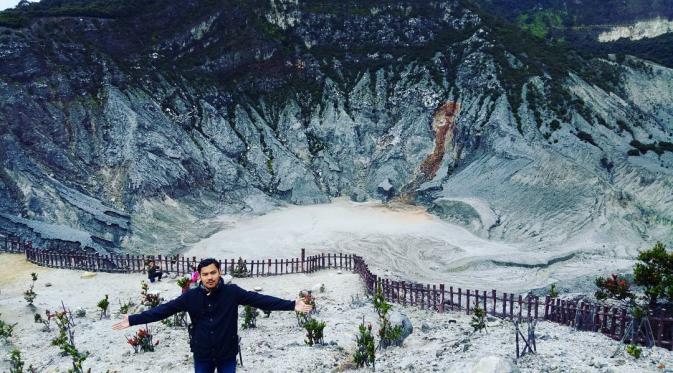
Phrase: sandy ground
(277, 345)
(404, 242)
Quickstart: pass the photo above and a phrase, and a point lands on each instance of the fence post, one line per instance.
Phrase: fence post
(303, 255)
(528, 300)
(537, 301)
(467, 302)
(460, 300)
(441, 298)
(520, 305)
(622, 323)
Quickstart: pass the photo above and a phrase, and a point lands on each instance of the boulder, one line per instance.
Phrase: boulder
(398, 318)
(358, 195)
(386, 186)
(88, 275)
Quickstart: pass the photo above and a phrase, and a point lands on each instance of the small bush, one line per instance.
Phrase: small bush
(149, 299)
(365, 350)
(66, 341)
(634, 351)
(16, 363)
(6, 329)
(30, 295)
(142, 341)
(478, 322)
(553, 293)
(615, 287)
(314, 332)
(46, 322)
(388, 335)
(586, 137)
(240, 269)
(103, 304)
(125, 307)
(249, 317)
(182, 282)
(653, 273)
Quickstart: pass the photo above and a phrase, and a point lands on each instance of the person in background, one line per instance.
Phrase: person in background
(195, 278)
(153, 271)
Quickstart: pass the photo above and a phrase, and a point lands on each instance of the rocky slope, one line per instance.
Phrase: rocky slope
(131, 123)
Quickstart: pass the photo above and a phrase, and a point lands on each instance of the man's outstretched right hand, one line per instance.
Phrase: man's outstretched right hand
(301, 307)
(122, 324)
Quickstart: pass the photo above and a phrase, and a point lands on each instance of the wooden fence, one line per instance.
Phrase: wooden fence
(611, 321)
(12, 244)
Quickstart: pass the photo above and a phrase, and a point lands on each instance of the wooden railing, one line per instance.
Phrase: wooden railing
(611, 321)
(12, 244)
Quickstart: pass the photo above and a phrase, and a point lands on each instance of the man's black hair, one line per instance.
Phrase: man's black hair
(206, 262)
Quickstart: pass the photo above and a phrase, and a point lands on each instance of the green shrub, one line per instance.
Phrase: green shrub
(6, 329)
(125, 307)
(30, 295)
(314, 332)
(634, 351)
(478, 322)
(16, 363)
(183, 281)
(388, 335)
(103, 304)
(66, 341)
(249, 317)
(365, 350)
(654, 272)
(149, 299)
(586, 137)
(615, 287)
(240, 269)
(552, 291)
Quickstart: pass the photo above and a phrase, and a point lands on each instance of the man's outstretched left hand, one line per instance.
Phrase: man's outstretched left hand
(300, 306)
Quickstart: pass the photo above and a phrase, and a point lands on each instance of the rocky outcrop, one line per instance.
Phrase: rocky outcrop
(128, 129)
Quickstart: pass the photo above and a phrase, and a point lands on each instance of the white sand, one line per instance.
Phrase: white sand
(406, 241)
(277, 344)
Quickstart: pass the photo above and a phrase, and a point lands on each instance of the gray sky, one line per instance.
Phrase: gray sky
(4, 4)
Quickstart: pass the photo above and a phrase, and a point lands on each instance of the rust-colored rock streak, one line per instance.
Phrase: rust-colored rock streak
(443, 125)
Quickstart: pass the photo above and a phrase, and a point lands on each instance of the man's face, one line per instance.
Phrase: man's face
(210, 276)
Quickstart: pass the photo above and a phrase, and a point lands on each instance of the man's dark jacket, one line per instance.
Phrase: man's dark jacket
(214, 317)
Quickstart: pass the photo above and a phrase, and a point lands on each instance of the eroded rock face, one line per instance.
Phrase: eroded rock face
(125, 128)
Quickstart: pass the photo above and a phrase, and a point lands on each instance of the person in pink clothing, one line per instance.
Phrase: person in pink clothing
(195, 278)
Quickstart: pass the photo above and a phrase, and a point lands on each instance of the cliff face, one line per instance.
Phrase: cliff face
(130, 125)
